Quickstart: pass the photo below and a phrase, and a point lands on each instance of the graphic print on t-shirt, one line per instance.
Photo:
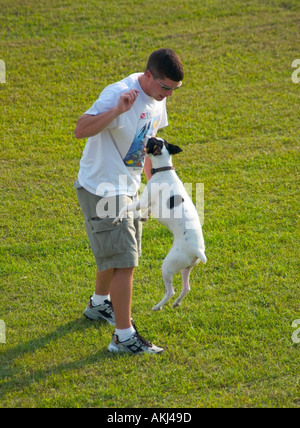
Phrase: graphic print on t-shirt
(135, 157)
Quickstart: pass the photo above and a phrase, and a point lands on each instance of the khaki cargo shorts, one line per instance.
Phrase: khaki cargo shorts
(113, 245)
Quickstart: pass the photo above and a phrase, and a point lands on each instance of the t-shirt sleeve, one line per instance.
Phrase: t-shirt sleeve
(107, 100)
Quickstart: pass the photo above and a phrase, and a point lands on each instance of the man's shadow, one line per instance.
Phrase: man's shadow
(10, 373)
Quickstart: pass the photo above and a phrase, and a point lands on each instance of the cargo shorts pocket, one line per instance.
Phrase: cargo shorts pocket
(107, 239)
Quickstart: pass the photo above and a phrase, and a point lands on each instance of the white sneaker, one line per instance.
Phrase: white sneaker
(134, 345)
(104, 311)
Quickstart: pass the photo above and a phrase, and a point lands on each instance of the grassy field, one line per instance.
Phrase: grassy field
(237, 119)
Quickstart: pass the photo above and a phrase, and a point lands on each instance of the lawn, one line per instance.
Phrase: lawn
(237, 118)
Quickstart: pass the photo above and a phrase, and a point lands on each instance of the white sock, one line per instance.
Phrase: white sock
(98, 300)
(125, 334)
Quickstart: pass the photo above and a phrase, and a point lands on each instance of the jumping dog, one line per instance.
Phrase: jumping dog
(166, 197)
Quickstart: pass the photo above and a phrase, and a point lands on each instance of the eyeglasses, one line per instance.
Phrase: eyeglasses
(164, 87)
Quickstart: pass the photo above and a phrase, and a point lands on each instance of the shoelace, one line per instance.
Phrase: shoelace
(109, 304)
(139, 337)
(142, 340)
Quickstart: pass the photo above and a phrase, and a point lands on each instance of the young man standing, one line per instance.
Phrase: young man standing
(124, 116)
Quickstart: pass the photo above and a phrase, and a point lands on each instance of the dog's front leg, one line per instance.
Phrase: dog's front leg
(149, 200)
(144, 203)
(146, 214)
(135, 206)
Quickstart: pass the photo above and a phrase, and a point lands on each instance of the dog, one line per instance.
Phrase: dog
(166, 197)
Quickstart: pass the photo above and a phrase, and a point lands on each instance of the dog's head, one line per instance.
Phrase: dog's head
(155, 147)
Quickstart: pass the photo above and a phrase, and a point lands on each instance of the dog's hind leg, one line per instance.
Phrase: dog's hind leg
(185, 274)
(168, 280)
(169, 268)
(173, 263)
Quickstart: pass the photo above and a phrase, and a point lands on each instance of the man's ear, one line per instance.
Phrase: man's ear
(172, 149)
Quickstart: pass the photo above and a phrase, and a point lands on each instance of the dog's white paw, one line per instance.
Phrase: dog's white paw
(157, 308)
(176, 304)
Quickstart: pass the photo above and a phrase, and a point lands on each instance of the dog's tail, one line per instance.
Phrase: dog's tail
(201, 255)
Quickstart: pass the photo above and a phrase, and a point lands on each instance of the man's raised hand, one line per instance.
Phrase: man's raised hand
(127, 100)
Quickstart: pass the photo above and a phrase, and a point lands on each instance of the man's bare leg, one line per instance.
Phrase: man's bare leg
(103, 282)
(118, 283)
(121, 295)
(99, 306)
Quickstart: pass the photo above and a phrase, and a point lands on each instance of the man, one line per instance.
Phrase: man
(124, 116)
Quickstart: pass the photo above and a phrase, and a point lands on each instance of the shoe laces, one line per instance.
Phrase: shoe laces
(139, 337)
(142, 340)
(109, 304)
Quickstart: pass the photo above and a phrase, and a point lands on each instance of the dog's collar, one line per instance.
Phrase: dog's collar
(165, 168)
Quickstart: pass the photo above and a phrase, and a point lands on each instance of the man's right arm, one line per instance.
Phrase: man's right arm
(88, 125)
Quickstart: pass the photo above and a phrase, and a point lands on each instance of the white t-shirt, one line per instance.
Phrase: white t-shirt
(113, 160)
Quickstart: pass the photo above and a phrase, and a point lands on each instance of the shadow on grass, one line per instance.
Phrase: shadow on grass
(13, 376)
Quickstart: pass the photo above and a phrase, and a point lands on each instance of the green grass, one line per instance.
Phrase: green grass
(229, 344)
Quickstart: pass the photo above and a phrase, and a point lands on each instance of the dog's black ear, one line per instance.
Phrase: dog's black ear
(172, 149)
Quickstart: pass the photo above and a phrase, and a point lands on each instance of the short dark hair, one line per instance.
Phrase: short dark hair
(165, 63)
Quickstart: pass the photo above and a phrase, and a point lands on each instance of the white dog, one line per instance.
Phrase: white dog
(167, 198)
